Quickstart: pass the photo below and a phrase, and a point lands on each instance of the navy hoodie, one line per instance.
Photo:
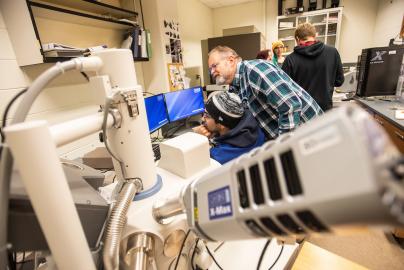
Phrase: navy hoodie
(317, 69)
(246, 136)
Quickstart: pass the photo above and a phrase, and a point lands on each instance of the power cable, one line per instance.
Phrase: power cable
(279, 255)
(213, 258)
(182, 247)
(263, 253)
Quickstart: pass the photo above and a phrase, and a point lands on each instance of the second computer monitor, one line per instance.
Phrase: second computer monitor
(156, 112)
(184, 103)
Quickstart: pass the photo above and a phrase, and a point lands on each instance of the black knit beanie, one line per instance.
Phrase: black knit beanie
(225, 108)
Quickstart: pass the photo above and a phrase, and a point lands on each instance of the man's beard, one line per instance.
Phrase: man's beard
(220, 80)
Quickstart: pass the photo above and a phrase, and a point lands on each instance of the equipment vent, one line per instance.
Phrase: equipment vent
(256, 184)
(255, 228)
(311, 221)
(274, 189)
(290, 171)
(242, 189)
(290, 224)
(270, 225)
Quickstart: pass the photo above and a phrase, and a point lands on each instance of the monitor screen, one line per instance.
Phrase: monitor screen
(156, 112)
(184, 103)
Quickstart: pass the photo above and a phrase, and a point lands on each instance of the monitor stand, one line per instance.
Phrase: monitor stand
(177, 128)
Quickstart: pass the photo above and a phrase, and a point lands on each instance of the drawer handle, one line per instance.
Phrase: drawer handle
(398, 134)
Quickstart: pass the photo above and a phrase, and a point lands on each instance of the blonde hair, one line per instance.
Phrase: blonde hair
(224, 51)
(277, 44)
(305, 30)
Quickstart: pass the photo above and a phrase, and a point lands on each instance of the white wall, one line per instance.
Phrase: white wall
(61, 101)
(250, 13)
(388, 21)
(272, 29)
(154, 71)
(358, 22)
(196, 24)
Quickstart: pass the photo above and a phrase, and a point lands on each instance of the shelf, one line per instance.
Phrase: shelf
(287, 28)
(312, 13)
(95, 7)
(287, 39)
(55, 59)
(65, 15)
(61, 59)
(318, 24)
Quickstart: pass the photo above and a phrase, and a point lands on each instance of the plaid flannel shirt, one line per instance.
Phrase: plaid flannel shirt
(276, 101)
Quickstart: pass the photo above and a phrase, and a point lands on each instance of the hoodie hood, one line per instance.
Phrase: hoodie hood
(310, 51)
(244, 134)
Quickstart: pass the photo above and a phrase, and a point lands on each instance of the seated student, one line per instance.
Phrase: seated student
(232, 129)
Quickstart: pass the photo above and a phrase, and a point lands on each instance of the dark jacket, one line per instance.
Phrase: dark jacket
(244, 137)
(317, 69)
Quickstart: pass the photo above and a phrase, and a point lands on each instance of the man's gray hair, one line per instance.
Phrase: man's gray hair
(224, 51)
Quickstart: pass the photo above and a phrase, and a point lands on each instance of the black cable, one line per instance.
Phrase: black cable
(262, 254)
(279, 255)
(85, 75)
(141, 11)
(193, 254)
(182, 247)
(213, 258)
(11, 261)
(3, 124)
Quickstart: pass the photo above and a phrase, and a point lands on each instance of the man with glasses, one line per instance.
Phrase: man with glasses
(276, 101)
(231, 129)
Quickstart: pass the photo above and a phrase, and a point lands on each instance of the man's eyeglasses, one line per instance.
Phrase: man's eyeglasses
(215, 65)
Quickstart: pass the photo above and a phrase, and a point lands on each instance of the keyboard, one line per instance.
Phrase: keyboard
(156, 151)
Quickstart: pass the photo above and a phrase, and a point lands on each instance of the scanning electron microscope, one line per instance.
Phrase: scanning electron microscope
(288, 187)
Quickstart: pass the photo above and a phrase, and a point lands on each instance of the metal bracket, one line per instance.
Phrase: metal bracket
(130, 98)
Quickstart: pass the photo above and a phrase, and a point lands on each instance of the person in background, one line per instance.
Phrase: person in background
(276, 101)
(277, 49)
(232, 130)
(265, 55)
(316, 67)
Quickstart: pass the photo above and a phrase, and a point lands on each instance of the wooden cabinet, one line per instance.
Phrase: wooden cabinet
(396, 134)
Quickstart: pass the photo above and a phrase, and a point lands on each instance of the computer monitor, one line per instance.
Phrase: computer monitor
(184, 103)
(156, 112)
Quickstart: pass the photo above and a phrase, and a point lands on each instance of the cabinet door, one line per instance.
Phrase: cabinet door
(301, 20)
(320, 23)
(395, 134)
(332, 28)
